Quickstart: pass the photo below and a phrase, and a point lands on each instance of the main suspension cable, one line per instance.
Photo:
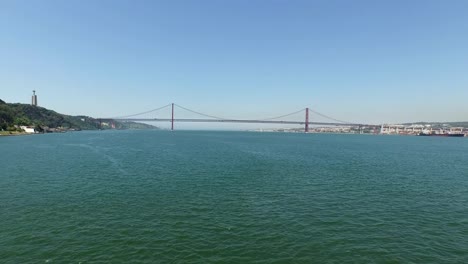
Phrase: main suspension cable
(331, 118)
(293, 113)
(142, 113)
(202, 114)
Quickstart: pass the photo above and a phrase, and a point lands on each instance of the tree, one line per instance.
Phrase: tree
(38, 128)
(22, 121)
(6, 116)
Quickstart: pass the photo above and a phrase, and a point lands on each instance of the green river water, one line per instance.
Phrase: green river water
(232, 197)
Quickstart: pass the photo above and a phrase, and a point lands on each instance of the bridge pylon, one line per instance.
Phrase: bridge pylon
(306, 127)
(172, 118)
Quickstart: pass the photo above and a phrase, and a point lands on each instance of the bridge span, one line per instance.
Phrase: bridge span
(200, 120)
(213, 119)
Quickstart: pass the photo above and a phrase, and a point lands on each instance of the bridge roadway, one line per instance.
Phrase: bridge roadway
(237, 121)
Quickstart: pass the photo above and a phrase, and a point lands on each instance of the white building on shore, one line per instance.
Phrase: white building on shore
(28, 129)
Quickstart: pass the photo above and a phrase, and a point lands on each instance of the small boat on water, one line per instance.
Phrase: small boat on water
(441, 134)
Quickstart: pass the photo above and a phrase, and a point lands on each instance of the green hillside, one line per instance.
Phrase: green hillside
(42, 118)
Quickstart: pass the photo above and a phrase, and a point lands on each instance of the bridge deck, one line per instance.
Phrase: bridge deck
(197, 120)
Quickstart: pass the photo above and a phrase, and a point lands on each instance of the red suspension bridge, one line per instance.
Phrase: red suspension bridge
(210, 118)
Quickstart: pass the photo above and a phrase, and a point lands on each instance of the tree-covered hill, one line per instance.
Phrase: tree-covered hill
(42, 118)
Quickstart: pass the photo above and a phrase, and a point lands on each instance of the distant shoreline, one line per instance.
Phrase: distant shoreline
(10, 133)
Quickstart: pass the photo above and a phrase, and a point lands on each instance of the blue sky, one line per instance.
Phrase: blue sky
(362, 61)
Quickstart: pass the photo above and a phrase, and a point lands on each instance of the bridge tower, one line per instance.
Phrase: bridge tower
(306, 128)
(172, 118)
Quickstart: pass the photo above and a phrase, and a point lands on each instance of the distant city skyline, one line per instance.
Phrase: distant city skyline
(360, 61)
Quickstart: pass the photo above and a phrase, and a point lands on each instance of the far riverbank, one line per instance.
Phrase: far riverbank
(13, 133)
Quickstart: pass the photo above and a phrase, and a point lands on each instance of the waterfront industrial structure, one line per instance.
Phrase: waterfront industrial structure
(416, 129)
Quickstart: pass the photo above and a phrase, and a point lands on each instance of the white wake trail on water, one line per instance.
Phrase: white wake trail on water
(101, 152)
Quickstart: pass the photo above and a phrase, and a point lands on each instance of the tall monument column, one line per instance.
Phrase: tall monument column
(34, 98)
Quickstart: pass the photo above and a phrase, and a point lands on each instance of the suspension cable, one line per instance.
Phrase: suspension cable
(202, 114)
(293, 113)
(331, 118)
(142, 113)
(220, 118)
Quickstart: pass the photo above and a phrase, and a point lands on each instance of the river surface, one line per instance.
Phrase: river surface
(232, 197)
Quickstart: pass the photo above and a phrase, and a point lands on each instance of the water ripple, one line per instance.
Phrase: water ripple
(205, 197)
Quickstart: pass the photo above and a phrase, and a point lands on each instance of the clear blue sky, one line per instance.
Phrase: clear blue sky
(362, 61)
